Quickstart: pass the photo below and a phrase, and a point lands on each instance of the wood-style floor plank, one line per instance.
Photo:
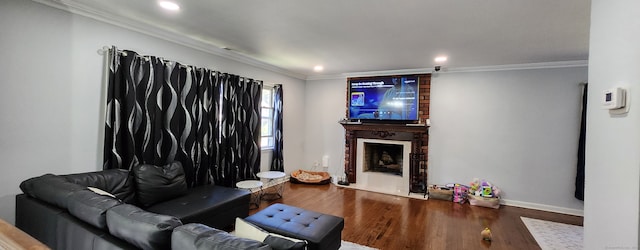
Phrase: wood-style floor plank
(390, 222)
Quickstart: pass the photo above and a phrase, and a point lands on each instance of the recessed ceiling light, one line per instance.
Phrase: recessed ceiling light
(440, 59)
(318, 68)
(169, 5)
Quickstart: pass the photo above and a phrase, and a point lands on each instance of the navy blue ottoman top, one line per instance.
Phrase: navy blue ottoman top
(298, 223)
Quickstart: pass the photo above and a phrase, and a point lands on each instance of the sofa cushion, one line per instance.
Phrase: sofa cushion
(50, 188)
(118, 182)
(73, 233)
(91, 207)
(201, 237)
(141, 228)
(247, 230)
(212, 205)
(159, 183)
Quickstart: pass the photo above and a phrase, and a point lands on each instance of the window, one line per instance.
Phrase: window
(266, 140)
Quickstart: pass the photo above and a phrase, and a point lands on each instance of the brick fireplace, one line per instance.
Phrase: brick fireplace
(416, 134)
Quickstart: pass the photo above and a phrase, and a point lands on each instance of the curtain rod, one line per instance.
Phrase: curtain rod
(105, 49)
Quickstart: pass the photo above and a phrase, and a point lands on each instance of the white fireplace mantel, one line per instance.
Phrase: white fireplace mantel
(382, 182)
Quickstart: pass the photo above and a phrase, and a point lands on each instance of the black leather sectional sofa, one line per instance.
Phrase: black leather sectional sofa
(61, 211)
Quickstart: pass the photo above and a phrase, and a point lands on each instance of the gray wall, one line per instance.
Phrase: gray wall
(325, 105)
(51, 81)
(516, 128)
(612, 196)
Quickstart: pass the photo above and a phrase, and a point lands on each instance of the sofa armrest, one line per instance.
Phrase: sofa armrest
(38, 219)
(141, 228)
(50, 188)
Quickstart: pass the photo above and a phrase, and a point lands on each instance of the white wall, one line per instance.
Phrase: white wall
(325, 105)
(612, 193)
(516, 128)
(51, 81)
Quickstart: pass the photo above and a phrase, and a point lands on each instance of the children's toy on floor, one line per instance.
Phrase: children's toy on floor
(440, 193)
(486, 234)
(460, 193)
(484, 194)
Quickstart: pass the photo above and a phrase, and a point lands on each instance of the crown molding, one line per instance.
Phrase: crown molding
(389, 72)
(165, 34)
(326, 77)
(544, 65)
(445, 70)
(369, 73)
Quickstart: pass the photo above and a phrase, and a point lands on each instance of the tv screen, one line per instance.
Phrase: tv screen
(384, 98)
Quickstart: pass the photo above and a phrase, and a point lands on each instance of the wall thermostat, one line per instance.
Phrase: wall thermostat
(614, 98)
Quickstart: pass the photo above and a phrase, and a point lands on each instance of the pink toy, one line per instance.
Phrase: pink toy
(460, 193)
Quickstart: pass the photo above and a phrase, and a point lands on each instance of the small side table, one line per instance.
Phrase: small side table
(276, 188)
(255, 187)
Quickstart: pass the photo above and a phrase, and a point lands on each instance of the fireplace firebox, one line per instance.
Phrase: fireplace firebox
(383, 158)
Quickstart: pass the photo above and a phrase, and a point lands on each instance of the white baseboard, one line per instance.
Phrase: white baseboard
(513, 203)
(403, 194)
(548, 208)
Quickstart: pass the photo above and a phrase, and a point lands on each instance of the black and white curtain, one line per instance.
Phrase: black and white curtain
(580, 173)
(277, 162)
(161, 111)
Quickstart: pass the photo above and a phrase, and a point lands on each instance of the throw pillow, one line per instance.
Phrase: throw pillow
(159, 183)
(247, 230)
(101, 192)
(143, 229)
(201, 237)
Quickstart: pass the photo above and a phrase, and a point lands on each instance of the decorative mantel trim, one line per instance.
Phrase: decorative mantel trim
(383, 134)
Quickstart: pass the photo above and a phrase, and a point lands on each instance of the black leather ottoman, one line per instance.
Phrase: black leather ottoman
(321, 231)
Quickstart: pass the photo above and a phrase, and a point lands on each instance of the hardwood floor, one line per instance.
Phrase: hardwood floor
(390, 222)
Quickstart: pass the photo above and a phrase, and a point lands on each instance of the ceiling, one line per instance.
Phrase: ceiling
(347, 36)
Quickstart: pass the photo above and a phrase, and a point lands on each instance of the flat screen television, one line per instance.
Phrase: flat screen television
(385, 98)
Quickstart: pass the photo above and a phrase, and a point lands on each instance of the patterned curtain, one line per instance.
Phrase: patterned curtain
(161, 111)
(277, 163)
(580, 173)
(237, 130)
